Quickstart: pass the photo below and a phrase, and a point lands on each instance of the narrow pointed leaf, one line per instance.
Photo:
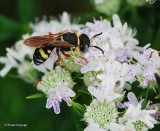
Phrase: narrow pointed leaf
(158, 96)
(78, 106)
(38, 95)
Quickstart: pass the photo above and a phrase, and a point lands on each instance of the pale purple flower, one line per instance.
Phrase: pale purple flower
(107, 92)
(57, 94)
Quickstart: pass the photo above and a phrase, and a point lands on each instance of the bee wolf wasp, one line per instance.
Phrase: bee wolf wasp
(63, 42)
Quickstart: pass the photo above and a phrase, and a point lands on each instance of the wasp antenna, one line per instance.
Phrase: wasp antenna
(96, 35)
(98, 48)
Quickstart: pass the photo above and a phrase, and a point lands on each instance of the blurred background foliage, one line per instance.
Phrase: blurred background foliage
(15, 17)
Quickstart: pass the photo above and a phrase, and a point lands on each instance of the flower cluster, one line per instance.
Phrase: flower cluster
(19, 57)
(107, 75)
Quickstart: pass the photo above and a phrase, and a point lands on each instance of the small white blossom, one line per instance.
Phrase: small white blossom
(149, 61)
(15, 58)
(57, 94)
(116, 37)
(107, 92)
(136, 116)
(55, 26)
(107, 7)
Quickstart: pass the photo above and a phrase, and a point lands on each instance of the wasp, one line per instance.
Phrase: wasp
(63, 42)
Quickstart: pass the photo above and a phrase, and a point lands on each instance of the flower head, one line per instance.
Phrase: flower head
(57, 85)
(107, 7)
(100, 114)
(90, 78)
(55, 26)
(51, 78)
(149, 62)
(136, 116)
(107, 92)
(19, 57)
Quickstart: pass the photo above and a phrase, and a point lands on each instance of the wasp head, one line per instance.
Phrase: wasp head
(84, 43)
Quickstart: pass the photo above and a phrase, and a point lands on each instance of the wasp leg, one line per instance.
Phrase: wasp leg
(69, 55)
(61, 62)
(80, 55)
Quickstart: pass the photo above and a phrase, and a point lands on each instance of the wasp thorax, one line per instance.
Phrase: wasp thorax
(84, 42)
(71, 38)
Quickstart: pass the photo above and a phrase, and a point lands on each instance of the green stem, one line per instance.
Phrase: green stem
(146, 98)
(131, 60)
(76, 76)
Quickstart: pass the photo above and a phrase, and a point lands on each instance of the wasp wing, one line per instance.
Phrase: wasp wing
(38, 41)
(61, 44)
(47, 41)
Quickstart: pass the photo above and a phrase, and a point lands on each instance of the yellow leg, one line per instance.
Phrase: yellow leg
(61, 63)
(80, 55)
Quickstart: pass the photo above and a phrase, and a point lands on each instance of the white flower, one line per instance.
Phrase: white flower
(118, 38)
(96, 62)
(149, 62)
(107, 7)
(90, 78)
(121, 72)
(55, 26)
(57, 85)
(93, 127)
(106, 92)
(51, 78)
(16, 57)
(57, 94)
(136, 116)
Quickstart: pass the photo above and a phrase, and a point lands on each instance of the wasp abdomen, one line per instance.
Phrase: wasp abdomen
(41, 55)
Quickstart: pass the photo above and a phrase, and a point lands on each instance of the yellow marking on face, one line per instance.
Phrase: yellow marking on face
(49, 51)
(45, 56)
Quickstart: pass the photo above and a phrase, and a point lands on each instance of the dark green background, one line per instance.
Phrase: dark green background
(14, 18)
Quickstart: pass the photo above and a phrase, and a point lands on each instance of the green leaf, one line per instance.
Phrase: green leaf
(79, 114)
(158, 96)
(85, 92)
(27, 10)
(78, 106)
(146, 98)
(156, 42)
(14, 76)
(8, 28)
(34, 96)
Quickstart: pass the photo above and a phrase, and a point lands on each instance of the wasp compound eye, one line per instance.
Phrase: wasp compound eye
(71, 38)
(84, 42)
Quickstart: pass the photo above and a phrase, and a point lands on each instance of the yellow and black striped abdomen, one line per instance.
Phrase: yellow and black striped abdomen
(41, 55)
